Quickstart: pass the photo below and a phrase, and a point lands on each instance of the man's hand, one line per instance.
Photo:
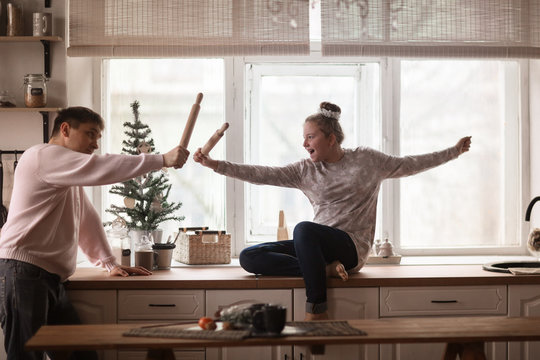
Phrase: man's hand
(121, 270)
(464, 144)
(176, 158)
(205, 160)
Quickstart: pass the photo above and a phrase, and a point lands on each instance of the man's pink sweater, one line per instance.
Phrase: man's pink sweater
(50, 215)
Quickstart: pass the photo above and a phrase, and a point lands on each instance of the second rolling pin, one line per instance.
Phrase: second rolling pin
(214, 139)
(190, 124)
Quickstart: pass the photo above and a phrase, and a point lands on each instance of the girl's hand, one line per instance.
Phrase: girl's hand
(205, 160)
(464, 144)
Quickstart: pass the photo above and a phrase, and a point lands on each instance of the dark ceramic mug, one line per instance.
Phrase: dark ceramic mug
(270, 319)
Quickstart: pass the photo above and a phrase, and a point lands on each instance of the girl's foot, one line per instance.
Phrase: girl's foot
(337, 270)
(315, 317)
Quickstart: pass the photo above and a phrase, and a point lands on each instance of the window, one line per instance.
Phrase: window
(471, 202)
(166, 90)
(279, 98)
(402, 107)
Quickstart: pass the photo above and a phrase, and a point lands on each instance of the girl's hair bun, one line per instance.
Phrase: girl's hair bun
(330, 110)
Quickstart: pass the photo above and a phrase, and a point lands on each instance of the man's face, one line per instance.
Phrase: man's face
(83, 139)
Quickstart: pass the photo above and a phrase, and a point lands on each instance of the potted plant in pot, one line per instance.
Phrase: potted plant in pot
(145, 197)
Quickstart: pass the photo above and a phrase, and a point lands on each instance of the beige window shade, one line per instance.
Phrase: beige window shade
(188, 28)
(431, 28)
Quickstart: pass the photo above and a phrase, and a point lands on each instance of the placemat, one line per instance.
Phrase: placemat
(173, 331)
(326, 328)
(304, 328)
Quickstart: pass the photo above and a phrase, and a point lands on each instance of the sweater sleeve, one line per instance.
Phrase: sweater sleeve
(63, 167)
(92, 239)
(286, 176)
(395, 167)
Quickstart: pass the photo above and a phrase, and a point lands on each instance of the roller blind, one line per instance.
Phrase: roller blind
(431, 28)
(187, 28)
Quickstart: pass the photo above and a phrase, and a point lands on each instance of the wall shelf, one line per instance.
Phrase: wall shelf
(25, 109)
(30, 38)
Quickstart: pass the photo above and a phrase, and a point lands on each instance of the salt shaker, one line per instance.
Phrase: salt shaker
(377, 247)
(386, 249)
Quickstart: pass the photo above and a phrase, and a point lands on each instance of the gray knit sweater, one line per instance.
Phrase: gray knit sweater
(344, 193)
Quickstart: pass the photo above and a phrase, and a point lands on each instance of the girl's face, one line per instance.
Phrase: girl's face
(317, 144)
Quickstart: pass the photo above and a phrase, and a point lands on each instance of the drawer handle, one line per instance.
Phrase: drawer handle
(443, 301)
(162, 305)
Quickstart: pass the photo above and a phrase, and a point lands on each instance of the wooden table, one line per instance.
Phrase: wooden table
(464, 335)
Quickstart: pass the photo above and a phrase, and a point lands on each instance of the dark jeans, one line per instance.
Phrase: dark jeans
(31, 297)
(312, 248)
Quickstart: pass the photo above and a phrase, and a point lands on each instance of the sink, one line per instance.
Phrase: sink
(503, 266)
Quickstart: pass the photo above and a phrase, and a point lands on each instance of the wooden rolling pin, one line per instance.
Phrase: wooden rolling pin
(214, 139)
(190, 124)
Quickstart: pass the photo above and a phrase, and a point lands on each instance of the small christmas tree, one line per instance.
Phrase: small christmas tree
(145, 197)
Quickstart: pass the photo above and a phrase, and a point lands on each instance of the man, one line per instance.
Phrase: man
(50, 216)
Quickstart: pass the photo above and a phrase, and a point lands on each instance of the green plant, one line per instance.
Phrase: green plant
(145, 197)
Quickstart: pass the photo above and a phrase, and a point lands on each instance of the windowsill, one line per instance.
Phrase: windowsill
(462, 260)
(405, 260)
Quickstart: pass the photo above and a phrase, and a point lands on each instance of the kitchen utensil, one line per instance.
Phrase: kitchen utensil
(533, 241)
(14, 19)
(163, 255)
(3, 209)
(214, 139)
(190, 124)
(41, 24)
(282, 231)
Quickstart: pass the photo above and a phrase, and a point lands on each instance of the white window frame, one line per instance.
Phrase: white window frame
(235, 87)
(516, 136)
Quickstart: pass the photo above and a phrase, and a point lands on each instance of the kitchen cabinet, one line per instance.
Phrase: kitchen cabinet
(218, 299)
(96, 307)
(523, 300)
(343, 304)
(161, 306)
(440, 301)
(46, 42)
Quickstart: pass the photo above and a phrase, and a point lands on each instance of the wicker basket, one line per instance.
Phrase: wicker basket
(204, 247)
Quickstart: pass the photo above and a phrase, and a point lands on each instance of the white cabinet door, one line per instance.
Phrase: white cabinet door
(217, 299)
(441, 301)
(96, 307)
(523, 300)
(343, 304)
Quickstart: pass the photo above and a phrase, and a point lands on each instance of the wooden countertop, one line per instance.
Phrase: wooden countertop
(232, 277)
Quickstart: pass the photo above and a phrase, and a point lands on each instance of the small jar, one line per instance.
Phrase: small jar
(35, 90)
(119, 240)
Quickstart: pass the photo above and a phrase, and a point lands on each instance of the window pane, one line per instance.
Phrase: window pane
(281, 98)
(166, 90)
(463, 203)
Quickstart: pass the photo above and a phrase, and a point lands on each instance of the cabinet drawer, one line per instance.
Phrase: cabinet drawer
(443, 300)
(160, 304)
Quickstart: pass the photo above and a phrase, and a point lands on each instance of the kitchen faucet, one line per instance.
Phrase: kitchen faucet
(529, 208)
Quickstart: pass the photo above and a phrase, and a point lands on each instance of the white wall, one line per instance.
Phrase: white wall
(19, 131)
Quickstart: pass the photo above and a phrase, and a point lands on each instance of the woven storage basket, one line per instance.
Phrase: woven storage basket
(196, 249)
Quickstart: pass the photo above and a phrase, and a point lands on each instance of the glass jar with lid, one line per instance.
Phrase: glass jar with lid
(120, 241)
(35, 90)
